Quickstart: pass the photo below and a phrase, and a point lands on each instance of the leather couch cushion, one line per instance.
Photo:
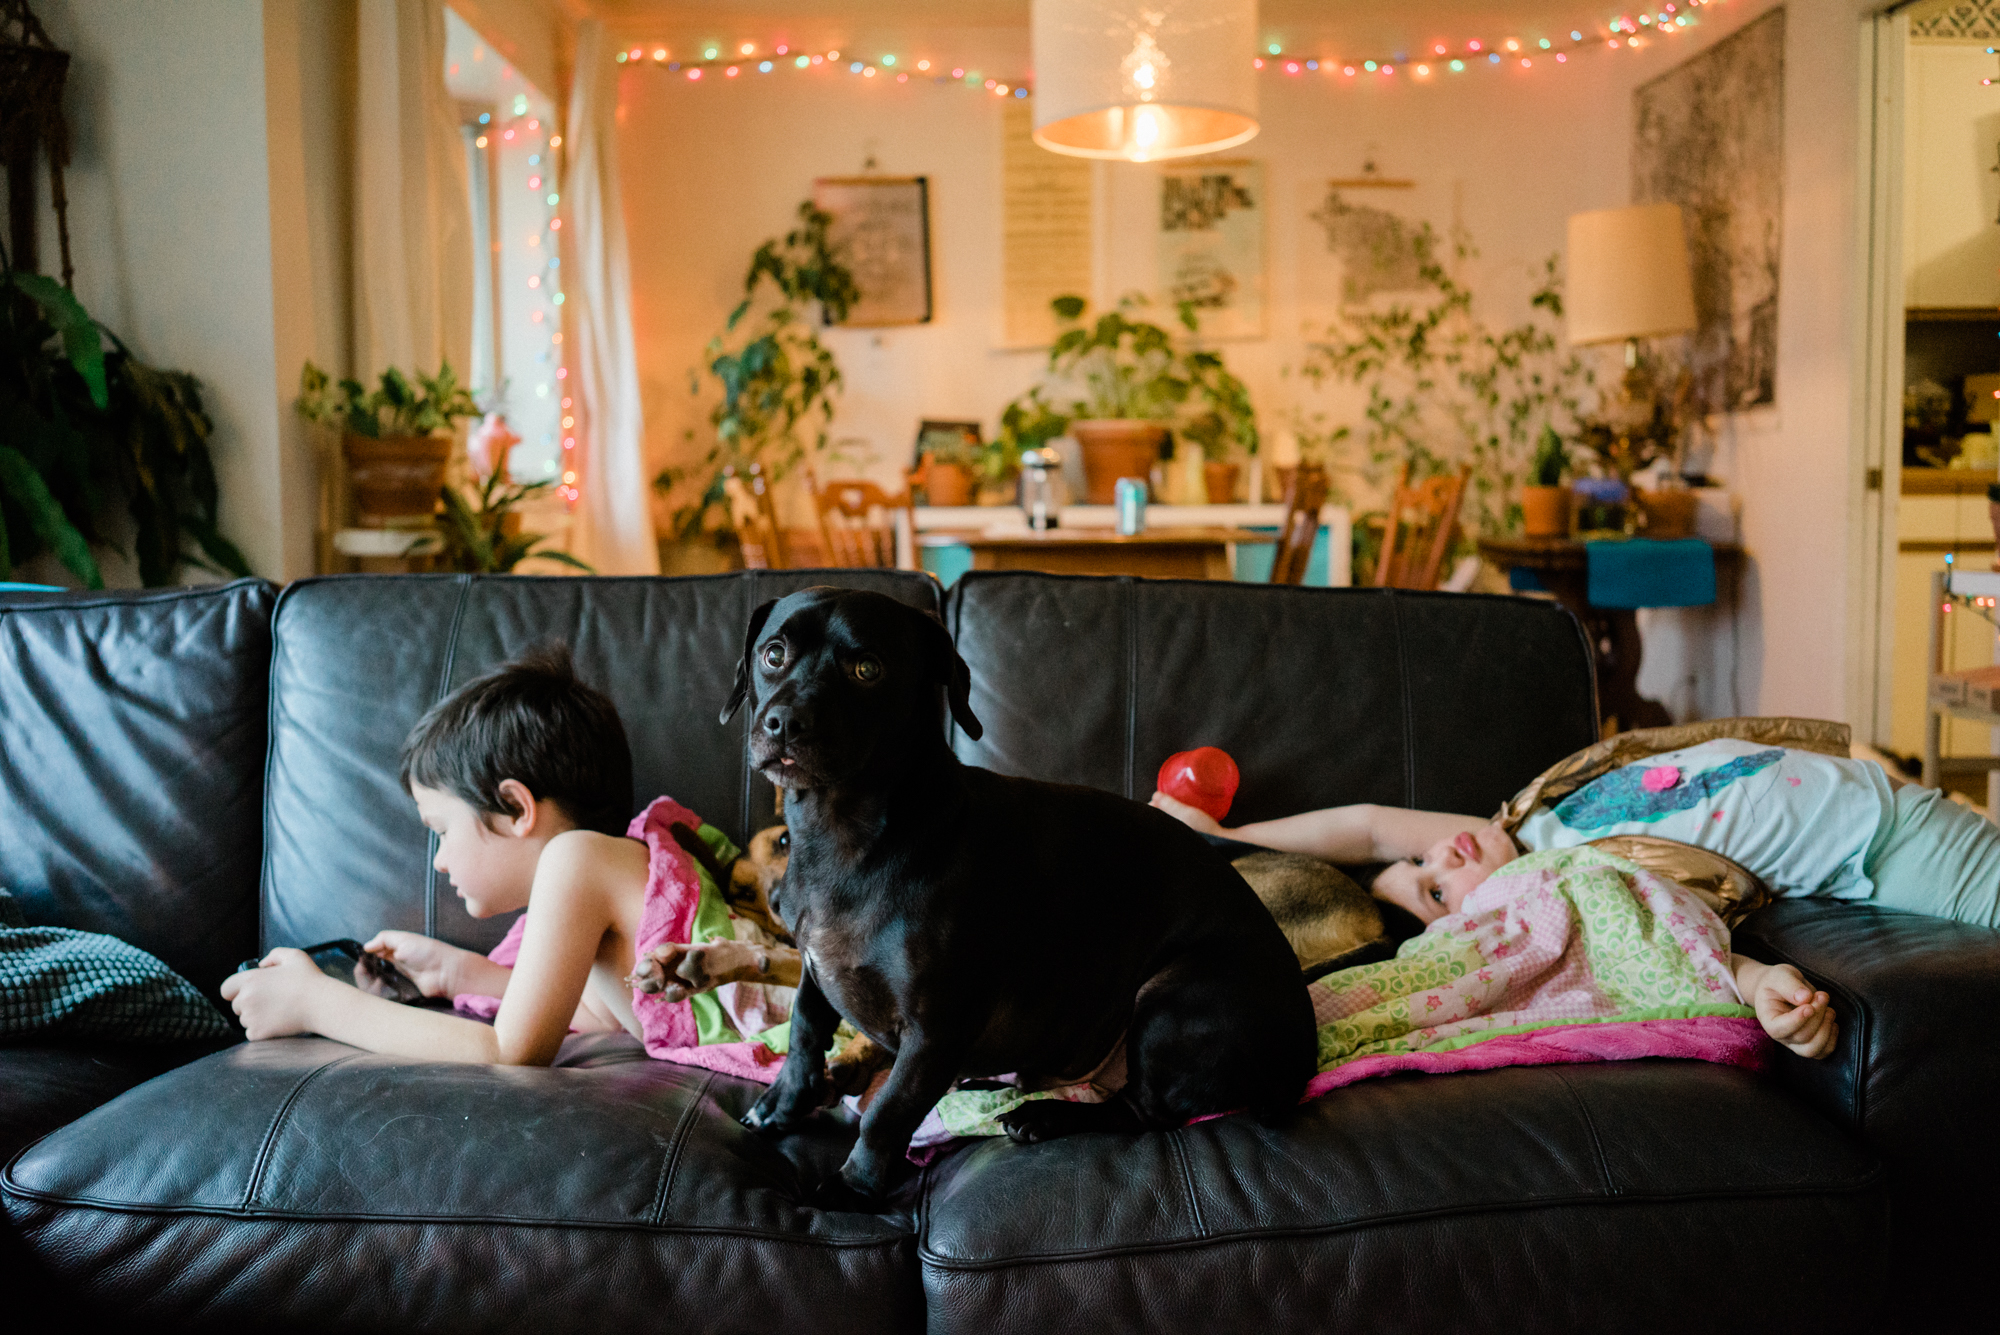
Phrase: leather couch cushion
(1448, 702)
(359, 658)
(1627, 1196)
(132, 726)
(302, 1184)
(1912, 1067)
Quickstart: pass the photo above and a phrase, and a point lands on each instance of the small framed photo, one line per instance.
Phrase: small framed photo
(882, 231)
(949, 441)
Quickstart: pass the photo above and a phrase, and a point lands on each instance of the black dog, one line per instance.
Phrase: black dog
(957, 916)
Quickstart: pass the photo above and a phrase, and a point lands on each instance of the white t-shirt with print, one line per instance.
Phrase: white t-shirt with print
(1800, 821)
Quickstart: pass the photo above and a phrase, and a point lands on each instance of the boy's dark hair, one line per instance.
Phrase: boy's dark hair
(530, 720)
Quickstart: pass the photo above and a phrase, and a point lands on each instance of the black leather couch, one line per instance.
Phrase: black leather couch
(211, 772)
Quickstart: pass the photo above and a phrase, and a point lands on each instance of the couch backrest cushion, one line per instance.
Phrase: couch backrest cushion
(132, 729)
(359, 658)
(1448, 702)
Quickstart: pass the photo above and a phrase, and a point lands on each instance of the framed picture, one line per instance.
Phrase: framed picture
(882, 230)
(1211, 245)
(946, 437)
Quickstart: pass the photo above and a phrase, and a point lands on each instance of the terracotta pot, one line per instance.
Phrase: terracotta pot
(948, 484)
(1669, 514)
(1115, 448)
(395, 478)
(1545, 512)
(1221, 482)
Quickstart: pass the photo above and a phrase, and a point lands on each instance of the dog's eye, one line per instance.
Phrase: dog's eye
(774, 654)
(784, 840)
(867, 669)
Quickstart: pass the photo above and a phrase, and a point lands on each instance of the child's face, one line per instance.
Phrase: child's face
(1435, 884)
(491, 869)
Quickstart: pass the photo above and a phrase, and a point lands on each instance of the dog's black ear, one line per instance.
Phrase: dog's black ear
(741, 690)
(956, 676)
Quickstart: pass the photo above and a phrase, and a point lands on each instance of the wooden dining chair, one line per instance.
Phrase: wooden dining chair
(1304, 495)
(1418, 531)
(755, 518)
(858, 522)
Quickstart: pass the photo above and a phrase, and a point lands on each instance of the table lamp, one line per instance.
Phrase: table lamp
(1628, 279)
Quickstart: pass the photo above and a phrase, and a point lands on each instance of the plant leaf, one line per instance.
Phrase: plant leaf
(46, 518)
(81, 342)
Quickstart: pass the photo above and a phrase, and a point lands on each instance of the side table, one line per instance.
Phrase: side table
(1562, 564)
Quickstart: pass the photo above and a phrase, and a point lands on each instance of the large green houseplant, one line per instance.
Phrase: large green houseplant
(84, 426)
(775, 376)
(1119, 384)
(1445, 388)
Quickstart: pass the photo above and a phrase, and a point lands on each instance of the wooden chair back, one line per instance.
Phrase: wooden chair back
(1419, 530)
(857, 522)
(1304, 495)
(754, 516)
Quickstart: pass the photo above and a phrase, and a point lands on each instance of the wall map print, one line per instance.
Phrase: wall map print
(1211, 245)
(881, 228)
(1709, 136)
(1377, 249)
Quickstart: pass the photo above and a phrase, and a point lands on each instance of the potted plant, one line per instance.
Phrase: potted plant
(1225, 423)
(486, 537)
(1130, 387)
(778, 378)
(396, 439)
(947, 468)
(83, 427)
(1544, 498)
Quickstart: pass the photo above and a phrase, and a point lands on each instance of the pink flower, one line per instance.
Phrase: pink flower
(489, 443)
(1431, 1002)
(1794, 782)
(1660, 778)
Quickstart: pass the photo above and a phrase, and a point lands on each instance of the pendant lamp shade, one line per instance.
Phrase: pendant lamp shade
(1144, 80)
(1627, 275)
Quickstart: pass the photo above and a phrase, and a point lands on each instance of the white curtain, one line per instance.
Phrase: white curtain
(412, 202)
(614, 523)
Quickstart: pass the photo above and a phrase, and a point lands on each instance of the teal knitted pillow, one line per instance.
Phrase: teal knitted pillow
(60, 983)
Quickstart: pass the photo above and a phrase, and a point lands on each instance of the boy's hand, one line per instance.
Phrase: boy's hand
(1192, 817)
(430, 963)
(275, 1000)
(1793, 1013)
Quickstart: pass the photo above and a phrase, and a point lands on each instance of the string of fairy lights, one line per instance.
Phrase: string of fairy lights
(1623, 32)
(525, 131)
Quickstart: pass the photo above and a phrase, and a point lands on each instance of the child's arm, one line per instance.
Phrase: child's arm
(1350, 834)
(439, 969)
(1787, 1006)
(568, 914)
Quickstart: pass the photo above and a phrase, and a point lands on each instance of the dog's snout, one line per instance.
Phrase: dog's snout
(784, 723)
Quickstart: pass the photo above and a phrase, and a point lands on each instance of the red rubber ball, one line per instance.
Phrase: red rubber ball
(1205, 778)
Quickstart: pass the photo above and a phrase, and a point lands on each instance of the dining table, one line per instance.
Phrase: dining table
(1177, 552)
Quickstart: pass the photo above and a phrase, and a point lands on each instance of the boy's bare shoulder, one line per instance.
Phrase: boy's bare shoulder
(585, 854)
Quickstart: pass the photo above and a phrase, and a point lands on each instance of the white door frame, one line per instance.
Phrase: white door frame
(1876, 449)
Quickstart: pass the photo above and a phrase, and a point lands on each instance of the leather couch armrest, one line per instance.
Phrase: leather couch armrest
(1914, 1072)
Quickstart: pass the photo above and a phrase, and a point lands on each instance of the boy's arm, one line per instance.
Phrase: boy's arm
(1787, 1006)
(289, 995)
(438, 969)
(1360, 833)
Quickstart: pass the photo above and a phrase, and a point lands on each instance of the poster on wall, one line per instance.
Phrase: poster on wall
(1373, 248)
(1211, 245)
(881, 229)
(1046, 201)
(1709, 136)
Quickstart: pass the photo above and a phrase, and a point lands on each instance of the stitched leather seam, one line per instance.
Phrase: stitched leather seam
(292, 1219)
(263, 1159)
(443, 686)
(747, 816)
(1174, 1138)
(1403, 694)
(1611, 1187)
(1872, 1182)
(657, 1216)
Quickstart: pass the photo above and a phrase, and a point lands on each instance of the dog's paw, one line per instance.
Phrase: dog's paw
(1050, 1119)
(774, 1115)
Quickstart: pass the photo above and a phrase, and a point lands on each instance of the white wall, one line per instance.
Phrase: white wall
(712, 169)
(169, 217)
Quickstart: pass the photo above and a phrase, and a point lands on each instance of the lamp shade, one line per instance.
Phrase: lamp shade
(1144, 79)
(1627, 275)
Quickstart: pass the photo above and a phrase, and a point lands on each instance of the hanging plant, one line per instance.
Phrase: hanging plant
(88, 426)
(779, 377)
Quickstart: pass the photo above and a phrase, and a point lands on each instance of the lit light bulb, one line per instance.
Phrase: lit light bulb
(1145, 132)
(555, 141)
(480, 142)
(1143, 76)
(746, 48)
(923, 64)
